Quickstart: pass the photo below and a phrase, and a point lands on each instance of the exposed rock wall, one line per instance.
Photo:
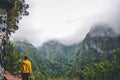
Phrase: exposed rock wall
(5, 6)
(3, 40)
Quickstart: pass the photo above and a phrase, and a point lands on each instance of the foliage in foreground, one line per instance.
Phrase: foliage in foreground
(15, 14)
(104, 70)
(12, 60)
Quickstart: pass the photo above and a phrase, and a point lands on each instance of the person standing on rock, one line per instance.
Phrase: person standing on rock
(26, 69)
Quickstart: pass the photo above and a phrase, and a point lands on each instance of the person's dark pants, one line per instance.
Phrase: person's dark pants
(25, 76)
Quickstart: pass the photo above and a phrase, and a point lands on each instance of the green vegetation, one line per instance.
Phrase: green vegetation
(97, 59)
(12, 60)
(102, 71)
(53, 70)
(43, 69)
(15, 14)
(99, 56)
(41, 64)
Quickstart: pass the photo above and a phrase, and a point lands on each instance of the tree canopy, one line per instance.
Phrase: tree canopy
(15, 14)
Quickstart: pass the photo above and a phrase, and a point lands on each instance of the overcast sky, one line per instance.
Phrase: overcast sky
(65, 20)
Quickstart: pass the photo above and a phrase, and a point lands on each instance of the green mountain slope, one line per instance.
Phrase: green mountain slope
(55, 51)
(97, 46)
(58, 63)
(55, 61)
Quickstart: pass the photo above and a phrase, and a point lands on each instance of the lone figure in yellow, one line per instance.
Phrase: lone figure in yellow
(26, 69)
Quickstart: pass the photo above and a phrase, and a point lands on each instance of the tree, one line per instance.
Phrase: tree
(116, 54)
(12, 60)
(105, 70)
(15, 14)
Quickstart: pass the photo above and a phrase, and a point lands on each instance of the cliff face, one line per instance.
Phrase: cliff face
(102, 38)
(97, 46)
(5, 6)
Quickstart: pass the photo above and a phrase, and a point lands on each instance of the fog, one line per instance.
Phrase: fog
(67, 21)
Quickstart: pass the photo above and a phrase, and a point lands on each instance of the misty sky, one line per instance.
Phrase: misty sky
(65, 20)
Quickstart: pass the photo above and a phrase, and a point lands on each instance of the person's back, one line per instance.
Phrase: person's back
(26, 68)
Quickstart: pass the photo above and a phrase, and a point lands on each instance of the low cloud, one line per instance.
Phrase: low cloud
(66, 27)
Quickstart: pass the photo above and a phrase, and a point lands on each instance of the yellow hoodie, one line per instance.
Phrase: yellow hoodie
(26, 67)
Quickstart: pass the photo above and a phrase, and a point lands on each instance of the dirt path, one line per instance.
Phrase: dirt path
(9, 76)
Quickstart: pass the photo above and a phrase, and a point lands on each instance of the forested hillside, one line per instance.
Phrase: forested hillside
(55, 51)
(97, 59)
(58, 64)
(98, 45)
(11, 11)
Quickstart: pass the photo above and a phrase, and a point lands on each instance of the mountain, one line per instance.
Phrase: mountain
(55, 51)
(26, 48)
(56, 61)
(51, 60)
(97, 46)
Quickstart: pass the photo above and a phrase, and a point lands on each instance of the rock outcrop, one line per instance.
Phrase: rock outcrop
(5, 6)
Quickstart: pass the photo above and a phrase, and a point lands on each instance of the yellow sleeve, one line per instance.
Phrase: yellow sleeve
(30, 68)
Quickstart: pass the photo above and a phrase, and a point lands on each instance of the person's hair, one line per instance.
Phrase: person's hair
(25, 57)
